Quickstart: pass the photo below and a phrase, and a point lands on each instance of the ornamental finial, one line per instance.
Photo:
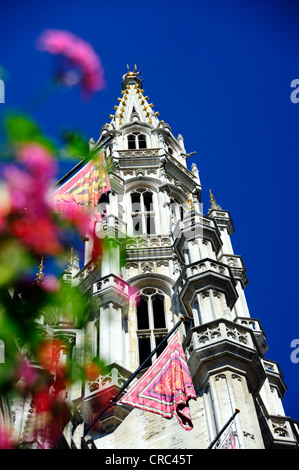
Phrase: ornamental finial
(40, 274)
(131, 74)
(213, 202)
(212, 199)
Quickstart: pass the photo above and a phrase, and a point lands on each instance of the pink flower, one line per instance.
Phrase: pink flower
(38, 159)
(5, 204)
(26, 374)
(5, 439)
(38, 233)
(29, 183)
(51, 283)
(78, 54)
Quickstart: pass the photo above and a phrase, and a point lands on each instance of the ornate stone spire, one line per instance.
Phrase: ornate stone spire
(73, 262)
(133, 106)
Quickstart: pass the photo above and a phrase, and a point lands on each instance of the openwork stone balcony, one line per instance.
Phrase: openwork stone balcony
(237, 267)
(111, 227)
(222, 343)
(148, 241)
(196, 226)
(275, 376)
(284, 432)
(112, 289)
(259, 334)
(151, 152)
(223, 219)
(202, 275)
(98, 391)
(114, 377)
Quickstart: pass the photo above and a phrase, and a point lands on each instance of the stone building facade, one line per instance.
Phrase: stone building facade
(166, 259)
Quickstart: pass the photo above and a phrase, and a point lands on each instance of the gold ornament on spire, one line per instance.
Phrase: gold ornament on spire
(212, 199)
(213, 202)
(190, 202)
(131, 74)
(40, 274)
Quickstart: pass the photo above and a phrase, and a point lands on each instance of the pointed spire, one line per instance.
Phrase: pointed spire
(71, 261)
(133, 106)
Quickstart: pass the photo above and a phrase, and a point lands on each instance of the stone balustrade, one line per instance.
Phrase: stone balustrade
(283, 431)
(111, 226)
(202, 275)
(104, 381)
(270, 366)
(259, 334)
(152, 152)
(223, 342)
(148, 241)
(201, 267)
(109, 282)
(237, 267)
(216, 331)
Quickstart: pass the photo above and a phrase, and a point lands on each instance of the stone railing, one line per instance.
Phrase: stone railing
(237, 267)
(86, 271)
(181, 167)
(283, 430)
(201, 267)
(249, 322)
(223, 342)
(216, 331)
(111, 226)
(270, 366)
(112, 378)
(151, 152)
(255, 326)
(148, 241)
(275, 376)
(111, 281)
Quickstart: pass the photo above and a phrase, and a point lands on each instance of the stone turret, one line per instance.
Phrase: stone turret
(164, 258)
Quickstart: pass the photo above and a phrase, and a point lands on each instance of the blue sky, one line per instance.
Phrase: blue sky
(219, 73)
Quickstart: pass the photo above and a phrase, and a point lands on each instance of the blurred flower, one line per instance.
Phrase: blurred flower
(92, 370)
(50, 283)
(5, 439)
(38, 159)
(5, 204)
(80, 64)
(28, 185)
(26, 375)
(48, 354)
(38, 233)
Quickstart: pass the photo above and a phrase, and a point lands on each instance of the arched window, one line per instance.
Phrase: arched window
(143, 215)
(142, 141)
(177, 209)
(136, 141)
(151, 322)
(131, 142)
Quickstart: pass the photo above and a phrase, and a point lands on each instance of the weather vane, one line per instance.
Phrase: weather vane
(131, 74)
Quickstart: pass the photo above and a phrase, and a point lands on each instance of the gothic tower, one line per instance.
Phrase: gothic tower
(164, 258)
